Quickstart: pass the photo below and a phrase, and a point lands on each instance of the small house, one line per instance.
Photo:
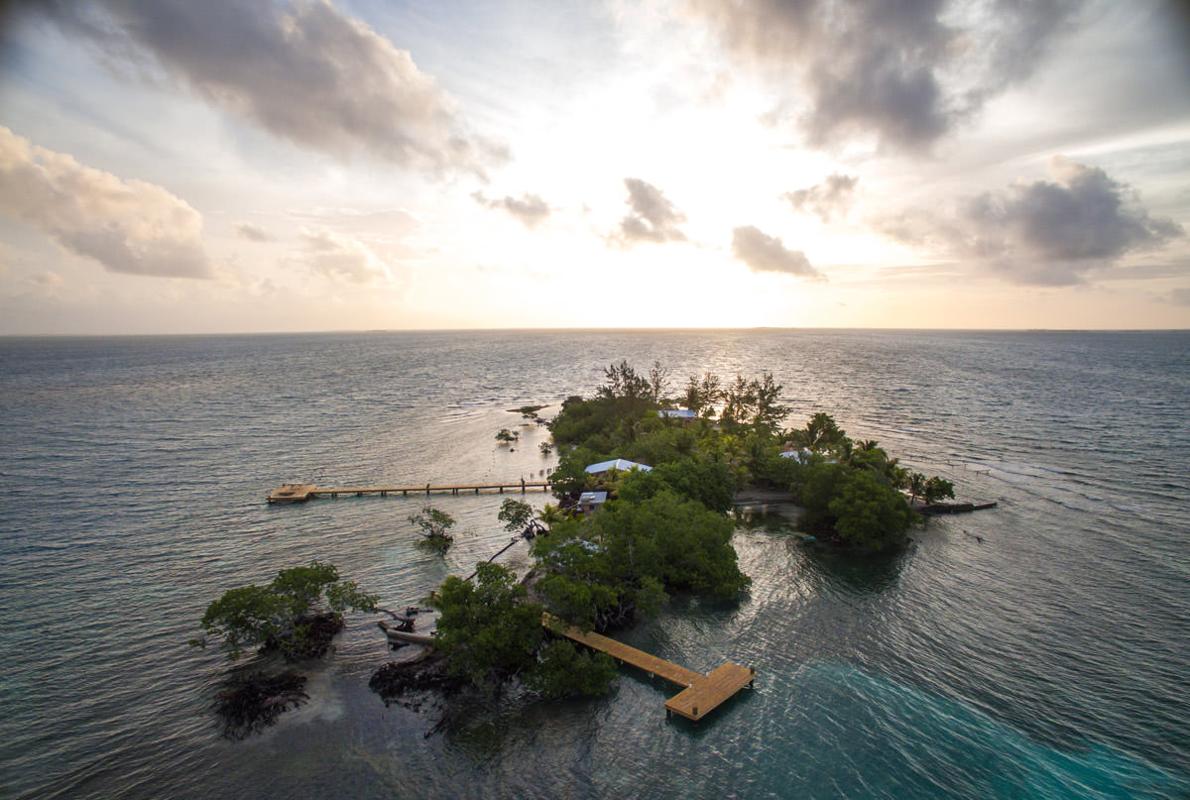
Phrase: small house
(801, 456)
(589, 502)
(617, 464)
(677, 413)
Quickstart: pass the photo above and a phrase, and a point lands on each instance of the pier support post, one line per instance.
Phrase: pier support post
(427, 490)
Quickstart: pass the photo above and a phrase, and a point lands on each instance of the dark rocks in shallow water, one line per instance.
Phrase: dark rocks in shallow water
(311, 637)
(248, 704)
(396, 678)
(954, 508)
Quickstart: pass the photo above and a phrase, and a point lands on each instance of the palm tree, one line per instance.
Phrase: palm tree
(550, 515)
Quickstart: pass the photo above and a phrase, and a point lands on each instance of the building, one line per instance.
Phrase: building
(677, 413)
(617, 464)
(801, 456)
(589, 502)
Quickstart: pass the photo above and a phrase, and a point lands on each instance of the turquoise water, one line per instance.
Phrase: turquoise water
(1048, 660)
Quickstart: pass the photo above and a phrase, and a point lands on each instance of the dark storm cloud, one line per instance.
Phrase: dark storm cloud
(653, 217)
(764, 253)
(1046, 232)
(304, 71)
(905, 71)
(827, 199)
(528, 208)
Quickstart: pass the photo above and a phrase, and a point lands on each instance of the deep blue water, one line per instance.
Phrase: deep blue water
(1049, 660)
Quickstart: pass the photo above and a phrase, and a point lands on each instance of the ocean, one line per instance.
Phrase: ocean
(1038, 650)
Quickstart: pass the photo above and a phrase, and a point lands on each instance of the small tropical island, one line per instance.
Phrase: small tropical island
(645, 485)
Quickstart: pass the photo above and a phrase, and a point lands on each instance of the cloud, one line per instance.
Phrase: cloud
(1048, 233)
(128, 226)
(529, 208)
(826, 199)
(764, 253)
(253, 233)
(1179, 297)
(340, 257)
(303, 71)
(653, 218)
(905, 73)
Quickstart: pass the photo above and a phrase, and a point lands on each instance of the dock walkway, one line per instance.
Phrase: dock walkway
(301, 492)
(702, 693)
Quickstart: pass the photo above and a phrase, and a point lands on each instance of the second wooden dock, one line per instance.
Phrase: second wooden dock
(301, 492)
(702, 693)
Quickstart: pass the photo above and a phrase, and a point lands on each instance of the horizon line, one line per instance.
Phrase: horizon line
(580, 329)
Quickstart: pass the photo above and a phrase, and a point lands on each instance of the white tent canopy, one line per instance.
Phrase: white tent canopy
(621, 464)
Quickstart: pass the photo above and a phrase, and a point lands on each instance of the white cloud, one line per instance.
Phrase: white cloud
(826, 200)
(128, 226)
(904, 72)
(653, 217)
(253, 233)
(764, 253)
(340, 257)
(530, 209)
(304, 71)
(1048, 233)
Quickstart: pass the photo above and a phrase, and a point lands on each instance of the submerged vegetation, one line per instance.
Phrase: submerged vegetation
(295, 616)
(434, 526)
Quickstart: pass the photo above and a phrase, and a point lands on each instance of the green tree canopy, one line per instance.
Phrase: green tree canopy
(487, 628)
(870, 516)
(279, 614)
(515, 515)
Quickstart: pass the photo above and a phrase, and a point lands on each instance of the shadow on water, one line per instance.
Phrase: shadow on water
(730, 708)
(854, 574)
(846, 572)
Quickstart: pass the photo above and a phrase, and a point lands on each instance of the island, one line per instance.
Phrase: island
(645, 485)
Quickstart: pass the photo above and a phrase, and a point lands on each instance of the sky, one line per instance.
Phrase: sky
(169, 166)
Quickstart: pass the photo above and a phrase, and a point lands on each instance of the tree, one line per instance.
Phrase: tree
(515, 515)
(505, 436)
(658, 382)
(870, 516)
(820, 484)
(297, 613)
(621, 381)
(565, 671)
(711, 392)
(936, 489)
(766, 394)
(550, 515)
(487, 629)
(435, 526)
(820, 433)
(739, 402)
(916, 485)
(692, 395)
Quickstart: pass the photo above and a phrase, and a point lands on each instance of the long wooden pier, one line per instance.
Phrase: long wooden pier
(702, 693)
(301, 492)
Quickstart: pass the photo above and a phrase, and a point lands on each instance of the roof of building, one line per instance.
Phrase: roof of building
(800, 455)
(677, 413)
(621, 464)
(594, 498)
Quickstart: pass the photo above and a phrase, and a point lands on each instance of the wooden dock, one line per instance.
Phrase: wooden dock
(301, 492)
(702, 693)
